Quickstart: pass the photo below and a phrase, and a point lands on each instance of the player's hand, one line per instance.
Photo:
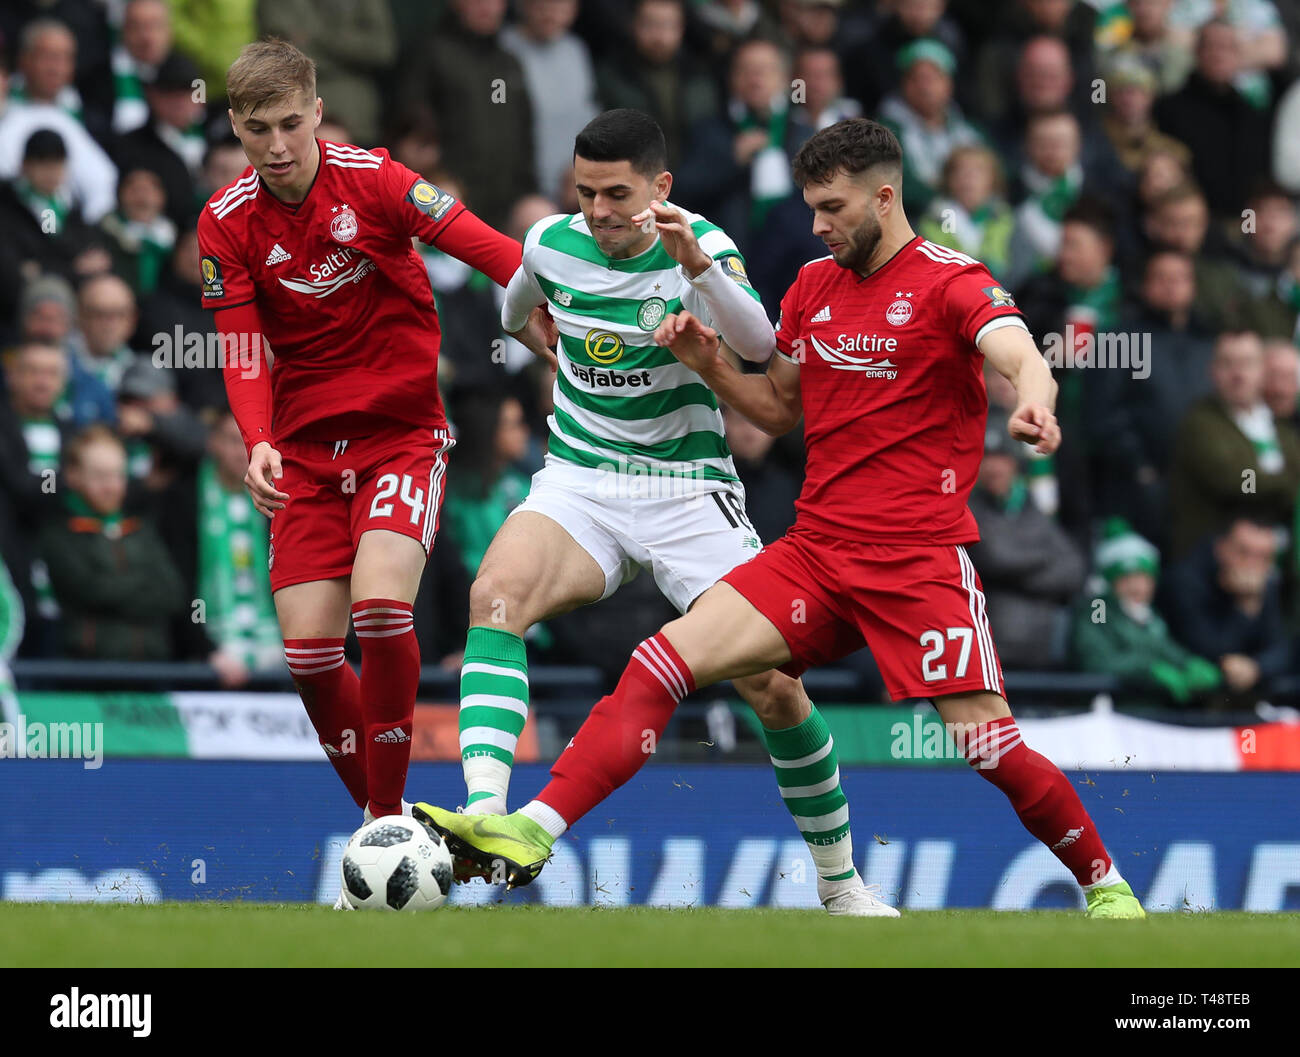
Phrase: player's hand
(689, 340)
(263, 470)
(677, 237)
(1036, 425)
(539, 336)
(231, 671)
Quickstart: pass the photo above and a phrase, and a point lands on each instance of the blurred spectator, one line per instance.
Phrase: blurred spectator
(31, 441)
(1266, 237)
(927, 121)
(1132, 420)
(415, 143)
(47, 67)
(1166, 52)
(350, 42)
(115, 582)
(476, 92)
(211, 35)
(223, 164)
(140, 237)
(12, 625)
(1120, 633)
(971, 213)
(90, 179)
(1052, 178)
(738, 167)
(145, 40)
(1028, 565)
(1282, 380)
(720, 27)
(817, 70)
(172, 316)
(1286, 140)
(484, 483)
(106, 317)
(658, 76)
(218, 542)
(46, 315)
(1260, 34)
(561, 83)
(1006, 65)
(62, 50)
(1223, 602)
(1129, 121)
(871, 67)
(1231, 458)
(1179, 219)
(1227, 135)
(163, 438)
(172, 142)
(44, 231)
(770, 490)
(1162, 170)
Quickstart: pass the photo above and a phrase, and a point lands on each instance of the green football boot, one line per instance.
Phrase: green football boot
(1114, 901)
(511, 848)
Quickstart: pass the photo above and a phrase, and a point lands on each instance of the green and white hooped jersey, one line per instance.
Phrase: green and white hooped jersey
(622, 404)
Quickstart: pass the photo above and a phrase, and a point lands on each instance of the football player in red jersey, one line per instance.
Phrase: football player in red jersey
(879, 348)
(310, 252)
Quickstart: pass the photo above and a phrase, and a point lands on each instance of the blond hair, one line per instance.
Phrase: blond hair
(267, 72)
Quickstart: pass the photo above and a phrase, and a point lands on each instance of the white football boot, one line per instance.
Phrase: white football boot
(853, 898)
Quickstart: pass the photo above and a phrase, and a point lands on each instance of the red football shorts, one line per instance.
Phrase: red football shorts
(919, 608)
(339, 489)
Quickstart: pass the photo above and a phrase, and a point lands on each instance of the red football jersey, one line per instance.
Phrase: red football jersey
(893, 394)
(343, 298)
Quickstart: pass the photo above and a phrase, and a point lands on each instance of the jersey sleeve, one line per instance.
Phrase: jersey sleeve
(225, 280)
(421, 209)
(976, 304)
(790, 322)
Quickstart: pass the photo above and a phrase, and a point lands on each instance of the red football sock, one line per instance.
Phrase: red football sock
(621, 732)
(331, 693)
(390, 675)
(1043, 797)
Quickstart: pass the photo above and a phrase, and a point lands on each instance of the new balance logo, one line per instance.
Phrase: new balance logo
(1071, 835)
(392, 737)
(278, 254)
(824, 316)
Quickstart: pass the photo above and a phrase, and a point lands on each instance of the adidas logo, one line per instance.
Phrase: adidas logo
(824, 316)
(392, 737)
(1071, 835)
(277, 254)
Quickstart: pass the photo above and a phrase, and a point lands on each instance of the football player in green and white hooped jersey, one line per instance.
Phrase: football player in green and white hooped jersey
(638, 473)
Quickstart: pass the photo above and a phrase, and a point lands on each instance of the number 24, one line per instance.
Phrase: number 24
(388, 488)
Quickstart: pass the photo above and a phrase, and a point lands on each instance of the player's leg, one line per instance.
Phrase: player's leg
(310, 556)
(314, 622)
(385, 579)
(1041, 795)
(924, 612)
(534, 569)
(722, 637)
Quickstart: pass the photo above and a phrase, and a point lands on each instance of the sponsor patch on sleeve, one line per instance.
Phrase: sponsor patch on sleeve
(210, 268)
(1000, 297)
(734, 267)
(429, 199)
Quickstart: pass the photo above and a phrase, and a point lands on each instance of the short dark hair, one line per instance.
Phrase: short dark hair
(851, 146)
(624, 135)
(1094, 213)
(45, 145)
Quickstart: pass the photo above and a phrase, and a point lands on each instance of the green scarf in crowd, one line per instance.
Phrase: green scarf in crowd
(233, 579)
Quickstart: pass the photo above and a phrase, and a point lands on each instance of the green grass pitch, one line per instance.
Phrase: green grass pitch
(172, 934)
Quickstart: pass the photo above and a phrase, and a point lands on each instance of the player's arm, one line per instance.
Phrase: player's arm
(720, 283)
(1014, 355)
(248, 390)
(771, 400)
(525, 319)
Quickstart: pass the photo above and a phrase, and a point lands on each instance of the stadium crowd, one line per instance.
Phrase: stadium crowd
(1128, 171)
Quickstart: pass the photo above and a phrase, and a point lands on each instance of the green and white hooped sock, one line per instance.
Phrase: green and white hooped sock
(808, 774)
(493, 711)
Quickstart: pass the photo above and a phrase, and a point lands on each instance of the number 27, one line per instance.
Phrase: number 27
(934, 641)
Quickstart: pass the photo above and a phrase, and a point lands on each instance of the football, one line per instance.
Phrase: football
(396, 863)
